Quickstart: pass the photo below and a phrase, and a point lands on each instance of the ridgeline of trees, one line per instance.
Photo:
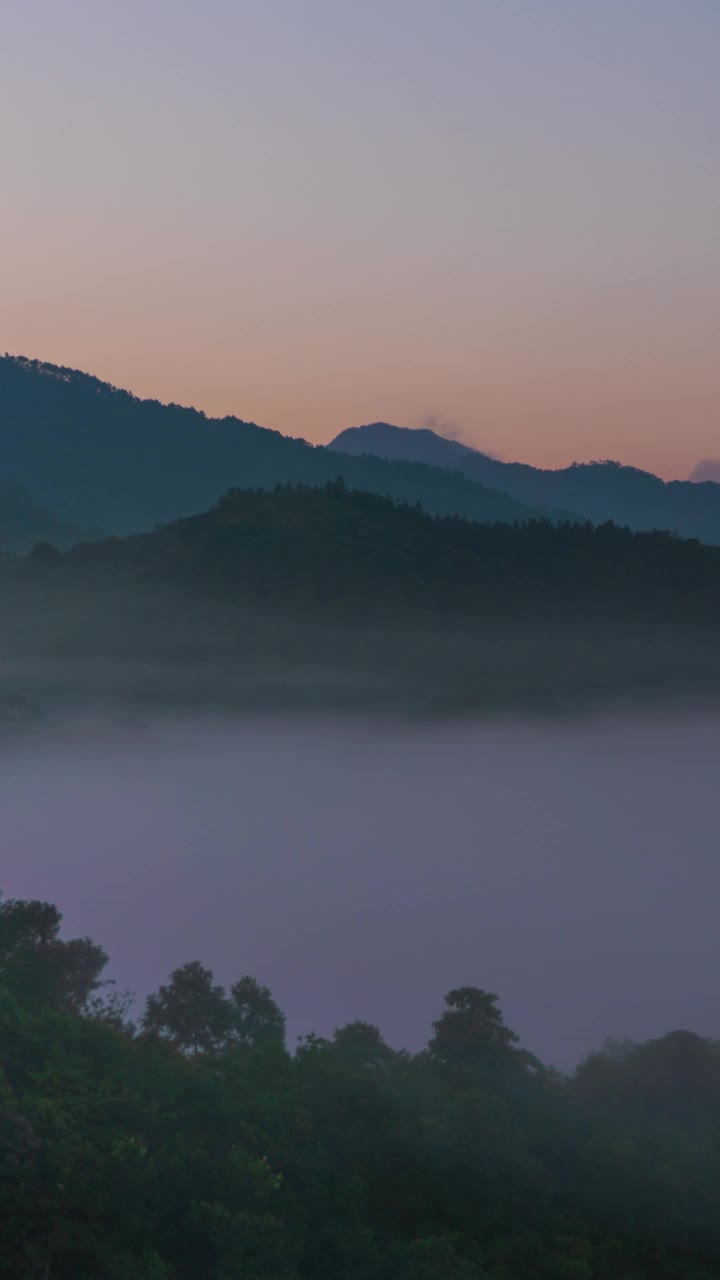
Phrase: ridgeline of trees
(332, 548)
(195, 1146)
(337, 599)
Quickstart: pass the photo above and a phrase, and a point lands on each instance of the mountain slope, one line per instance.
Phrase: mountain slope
(102, 458)
(23, 522)
(598, 491)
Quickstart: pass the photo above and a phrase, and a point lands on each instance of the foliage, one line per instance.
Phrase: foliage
(195, 1015)
(38, 966)
(199, 1149)
(336, 598)
(332, 551)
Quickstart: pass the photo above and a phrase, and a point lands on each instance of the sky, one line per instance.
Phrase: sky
(501, 215)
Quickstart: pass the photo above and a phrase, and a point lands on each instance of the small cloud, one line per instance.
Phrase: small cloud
(445, 427)
(708, 469)
(450, 430)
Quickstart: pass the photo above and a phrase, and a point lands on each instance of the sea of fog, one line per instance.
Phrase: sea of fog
(362, 868)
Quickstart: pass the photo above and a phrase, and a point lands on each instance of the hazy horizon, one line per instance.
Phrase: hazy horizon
(314, 216)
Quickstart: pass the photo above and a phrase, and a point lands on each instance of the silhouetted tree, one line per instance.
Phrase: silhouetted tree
(471, 1026)
(255, 1018)
(40, 966)
(191, 1011)
(360, 1044)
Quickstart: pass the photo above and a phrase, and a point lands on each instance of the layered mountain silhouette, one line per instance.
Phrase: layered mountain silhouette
(101, 458)
(598, 491)
(79, 454)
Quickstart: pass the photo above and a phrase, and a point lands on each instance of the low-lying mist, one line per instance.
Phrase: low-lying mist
(160, 654)
(361, 868)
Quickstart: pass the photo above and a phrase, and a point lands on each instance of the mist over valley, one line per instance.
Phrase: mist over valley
(365, 866)
(359, 868)
(359, 640)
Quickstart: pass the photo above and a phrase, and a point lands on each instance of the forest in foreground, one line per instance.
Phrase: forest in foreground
(192, 1141)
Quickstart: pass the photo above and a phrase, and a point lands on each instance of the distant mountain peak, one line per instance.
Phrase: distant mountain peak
(387, 434)
(101, 457)
(598, 490)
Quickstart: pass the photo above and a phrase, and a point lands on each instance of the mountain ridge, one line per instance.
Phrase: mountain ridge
(598, 491)
(101, 457)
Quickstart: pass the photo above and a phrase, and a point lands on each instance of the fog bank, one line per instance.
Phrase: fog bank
(361, 869)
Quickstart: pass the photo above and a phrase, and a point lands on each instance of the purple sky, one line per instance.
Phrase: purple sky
(316, 213)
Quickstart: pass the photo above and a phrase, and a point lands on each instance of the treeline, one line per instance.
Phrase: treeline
(333, 598)
(332, 548)
(195, 1146)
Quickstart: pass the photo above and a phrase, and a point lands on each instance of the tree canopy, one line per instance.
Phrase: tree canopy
(196, 1145)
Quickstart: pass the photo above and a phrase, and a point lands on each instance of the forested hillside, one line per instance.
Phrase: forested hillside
(335, 598)
(192, 1142)
(103, 459)
(334, 548)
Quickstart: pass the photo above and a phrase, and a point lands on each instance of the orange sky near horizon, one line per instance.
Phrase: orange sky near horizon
(500, 217)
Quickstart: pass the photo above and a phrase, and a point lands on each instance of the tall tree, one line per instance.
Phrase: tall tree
(191, 1011)
(255, 1018)
(360, 1044)
(39, 966)
(472, 1030)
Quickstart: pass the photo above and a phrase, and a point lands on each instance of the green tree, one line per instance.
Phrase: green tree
(471, 1026)
(255, 1018)
(360, 1044)
(435, 1258)
(39, 966)
(191, 1011)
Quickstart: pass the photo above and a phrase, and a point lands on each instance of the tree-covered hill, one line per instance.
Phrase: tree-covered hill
(334, 548)
(336, 598)
(194, 1145)
(104, 459)
(598, 491)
